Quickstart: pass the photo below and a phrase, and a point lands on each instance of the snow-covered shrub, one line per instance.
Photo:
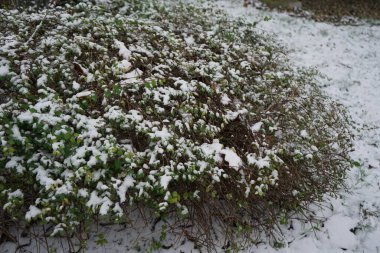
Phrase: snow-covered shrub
(22, 4)
(168, 106)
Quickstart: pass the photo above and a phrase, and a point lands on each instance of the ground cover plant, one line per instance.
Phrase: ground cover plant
(165, 107)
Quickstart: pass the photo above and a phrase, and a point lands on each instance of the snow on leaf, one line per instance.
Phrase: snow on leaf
(123, 50)
(4, 70)
(17, 134)
(165, 180)
(76, 86)
(123, 188)
(232, 158)
(256, 127)
(32, 213)
(85, 93)
(16, 194)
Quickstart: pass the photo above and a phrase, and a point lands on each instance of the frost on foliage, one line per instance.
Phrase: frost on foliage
(143, 108)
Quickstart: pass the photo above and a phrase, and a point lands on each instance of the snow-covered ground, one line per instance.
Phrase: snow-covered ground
(349, 59)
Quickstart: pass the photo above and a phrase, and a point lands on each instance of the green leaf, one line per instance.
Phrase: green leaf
(174, 198)
(283, 220)
(101, 240)
(117, 164)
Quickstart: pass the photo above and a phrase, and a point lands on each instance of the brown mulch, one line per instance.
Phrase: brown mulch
(340, 8)
(330, 10)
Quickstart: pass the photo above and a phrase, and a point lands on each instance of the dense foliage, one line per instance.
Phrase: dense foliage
(167, 106)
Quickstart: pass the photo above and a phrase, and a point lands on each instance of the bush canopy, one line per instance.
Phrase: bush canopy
(167, 106)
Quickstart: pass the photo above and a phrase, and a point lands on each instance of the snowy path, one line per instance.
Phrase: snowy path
(349, 57)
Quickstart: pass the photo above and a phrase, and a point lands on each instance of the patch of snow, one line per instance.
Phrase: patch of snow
(232, 158)
(76, 86)
(114, 113)
(42, 80)
(17, 134)
(43, 177)
(134, 116)
(16, 194)
(25, 117)
(123, 188)
(124, 65)
(225, 99)
(13, 162)
(138, 49)
(94, 200)
(132, 76)
(217, 152)
(105, 206)
(189, 40)
(259, 162)
(85, 93)
(212, 150)
(256, 127)
(165, 180)
(32, 213)
(304, 134)
(340, 236)
(123, 50)
(162, 134)
(83, 193)
(4, 70)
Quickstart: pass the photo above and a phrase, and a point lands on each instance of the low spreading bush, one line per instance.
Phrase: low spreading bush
(165, 106)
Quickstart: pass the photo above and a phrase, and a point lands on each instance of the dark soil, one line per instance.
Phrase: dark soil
(330, 10)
